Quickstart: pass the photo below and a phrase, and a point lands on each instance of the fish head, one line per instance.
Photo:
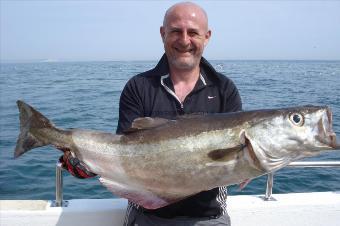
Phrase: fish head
(281, 136)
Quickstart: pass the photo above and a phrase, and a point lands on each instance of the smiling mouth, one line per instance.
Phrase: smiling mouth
(184, 49)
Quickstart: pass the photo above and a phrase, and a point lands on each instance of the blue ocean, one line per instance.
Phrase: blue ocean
(86, 95)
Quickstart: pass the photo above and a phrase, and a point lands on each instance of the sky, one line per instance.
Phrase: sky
(85, 30)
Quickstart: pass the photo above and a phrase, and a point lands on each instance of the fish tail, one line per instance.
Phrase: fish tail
(30, 120)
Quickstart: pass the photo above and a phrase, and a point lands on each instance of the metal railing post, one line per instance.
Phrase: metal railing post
(59, 185)
(269, 189)
(59, 202)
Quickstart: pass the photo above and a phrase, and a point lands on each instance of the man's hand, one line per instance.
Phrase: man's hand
(73, 165)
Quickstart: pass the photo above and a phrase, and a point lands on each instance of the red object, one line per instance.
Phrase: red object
(75, 167)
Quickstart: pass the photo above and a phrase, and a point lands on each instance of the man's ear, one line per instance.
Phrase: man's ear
(162, 32)
(207, 37)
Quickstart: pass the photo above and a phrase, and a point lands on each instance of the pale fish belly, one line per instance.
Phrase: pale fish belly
(156, 174)
(183, 165)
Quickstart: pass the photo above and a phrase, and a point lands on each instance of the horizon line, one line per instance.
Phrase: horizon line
(144, 60)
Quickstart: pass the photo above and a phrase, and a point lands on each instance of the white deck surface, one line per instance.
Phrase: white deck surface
(295, 209)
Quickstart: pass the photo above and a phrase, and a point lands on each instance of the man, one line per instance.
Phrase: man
(183, 82)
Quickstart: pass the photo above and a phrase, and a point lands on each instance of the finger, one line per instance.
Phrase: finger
(63, 149)
(66, 155)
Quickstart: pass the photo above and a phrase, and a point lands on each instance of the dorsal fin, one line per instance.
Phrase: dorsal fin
(148, 122)
(143, 123)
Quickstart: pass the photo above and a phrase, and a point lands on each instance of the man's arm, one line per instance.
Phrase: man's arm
(232, 98)
(130, 106)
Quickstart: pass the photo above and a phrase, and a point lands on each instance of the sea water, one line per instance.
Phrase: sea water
(86, 95)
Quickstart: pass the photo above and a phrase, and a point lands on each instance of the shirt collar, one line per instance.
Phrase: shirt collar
(201, 83)
(162, 69)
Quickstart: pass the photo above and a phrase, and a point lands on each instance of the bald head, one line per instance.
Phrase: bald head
(186, 9)
(185, 34)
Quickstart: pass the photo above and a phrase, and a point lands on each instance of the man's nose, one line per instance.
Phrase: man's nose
(184, 38)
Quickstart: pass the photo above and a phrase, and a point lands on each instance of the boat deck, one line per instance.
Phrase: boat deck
(293, 209)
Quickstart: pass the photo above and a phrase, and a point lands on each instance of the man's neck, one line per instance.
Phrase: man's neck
(184, 81)
(184, 76)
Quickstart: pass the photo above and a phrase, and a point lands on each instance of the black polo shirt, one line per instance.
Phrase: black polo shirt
(151, 94)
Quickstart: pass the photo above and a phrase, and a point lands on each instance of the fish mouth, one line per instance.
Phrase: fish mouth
(326, 134)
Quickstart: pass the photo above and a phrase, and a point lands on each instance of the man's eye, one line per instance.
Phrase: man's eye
(193, 33)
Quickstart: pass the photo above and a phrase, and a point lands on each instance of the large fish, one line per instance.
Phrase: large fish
(159, 161)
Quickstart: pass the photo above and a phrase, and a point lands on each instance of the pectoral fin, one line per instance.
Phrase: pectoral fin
(223, 155)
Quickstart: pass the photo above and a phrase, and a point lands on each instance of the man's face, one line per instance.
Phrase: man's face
(185, 34)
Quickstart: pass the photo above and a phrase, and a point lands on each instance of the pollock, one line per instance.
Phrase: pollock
(159, 161)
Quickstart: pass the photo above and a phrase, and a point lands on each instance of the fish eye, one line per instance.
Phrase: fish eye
(297, 119)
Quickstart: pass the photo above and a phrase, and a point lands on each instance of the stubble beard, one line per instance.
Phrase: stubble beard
(184, 64)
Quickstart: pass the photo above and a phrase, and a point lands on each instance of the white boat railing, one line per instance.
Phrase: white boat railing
(59, 202)
(315, 164)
